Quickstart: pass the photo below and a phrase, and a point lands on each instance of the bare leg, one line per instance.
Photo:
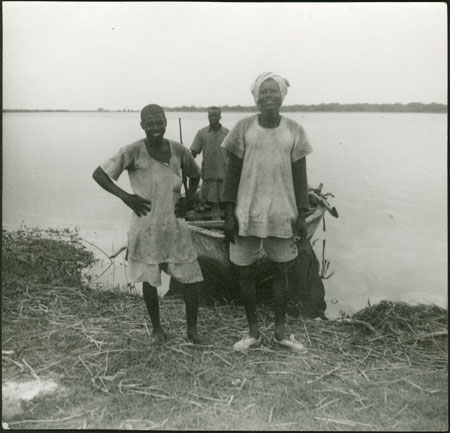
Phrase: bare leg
(247, 283)
(152, 303)
(190, 295)
(280, 298)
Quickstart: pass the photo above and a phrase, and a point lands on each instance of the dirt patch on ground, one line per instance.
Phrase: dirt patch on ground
(14, 394)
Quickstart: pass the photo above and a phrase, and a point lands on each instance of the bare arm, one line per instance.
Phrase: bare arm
(232, 178)
(197, 144)
(193, 185)
(300, 184)
(301, 196)
(230, 190)
(190, 193)
(138, 204)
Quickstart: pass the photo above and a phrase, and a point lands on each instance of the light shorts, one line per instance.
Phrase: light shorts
(183, 272)
(248, 249)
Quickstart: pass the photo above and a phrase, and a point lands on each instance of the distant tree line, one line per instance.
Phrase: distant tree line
(412, 107)
(32, 110)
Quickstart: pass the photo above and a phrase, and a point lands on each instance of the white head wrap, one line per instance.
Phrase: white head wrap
(283, 84)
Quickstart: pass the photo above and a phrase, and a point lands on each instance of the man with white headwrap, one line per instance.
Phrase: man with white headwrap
(266, 199)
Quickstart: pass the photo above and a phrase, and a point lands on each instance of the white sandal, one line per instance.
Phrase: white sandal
(292, 344)
(246, 343)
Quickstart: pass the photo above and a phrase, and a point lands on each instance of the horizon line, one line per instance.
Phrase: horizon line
(246, 107)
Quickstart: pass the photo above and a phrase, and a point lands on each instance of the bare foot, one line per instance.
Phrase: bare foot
(194, 338)
(279, 332)
(158, 338)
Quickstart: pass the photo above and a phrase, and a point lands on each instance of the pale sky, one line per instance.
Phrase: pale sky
(116, 55)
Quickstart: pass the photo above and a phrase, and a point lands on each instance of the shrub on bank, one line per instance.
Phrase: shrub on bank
(45, 256)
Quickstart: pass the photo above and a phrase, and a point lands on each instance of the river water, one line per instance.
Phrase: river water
(387, 171)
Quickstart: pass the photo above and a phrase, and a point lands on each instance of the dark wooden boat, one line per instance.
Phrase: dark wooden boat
(209, 239)
(221, 281)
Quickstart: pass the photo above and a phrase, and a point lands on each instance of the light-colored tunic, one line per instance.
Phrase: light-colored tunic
(157, 237)
(214, 163)
(215, 157)
(265, 204)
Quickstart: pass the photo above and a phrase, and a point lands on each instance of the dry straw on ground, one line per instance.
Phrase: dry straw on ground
(383, 368)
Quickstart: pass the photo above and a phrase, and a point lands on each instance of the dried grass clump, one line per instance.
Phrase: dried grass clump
(45, 255)
(395, 319)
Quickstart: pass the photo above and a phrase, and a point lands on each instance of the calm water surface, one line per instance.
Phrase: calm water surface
(388, 173)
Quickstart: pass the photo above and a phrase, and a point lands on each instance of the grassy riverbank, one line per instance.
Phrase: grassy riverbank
(383, 369)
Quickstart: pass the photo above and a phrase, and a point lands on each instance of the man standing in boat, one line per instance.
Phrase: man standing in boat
(266, 199)
(157, 240)
(215, 158)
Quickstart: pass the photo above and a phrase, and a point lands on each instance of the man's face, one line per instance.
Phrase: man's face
(214, 117)
(154, 125)
(269, 96)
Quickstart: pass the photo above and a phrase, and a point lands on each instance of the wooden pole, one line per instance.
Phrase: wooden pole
(181, 141)
(181, 135)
